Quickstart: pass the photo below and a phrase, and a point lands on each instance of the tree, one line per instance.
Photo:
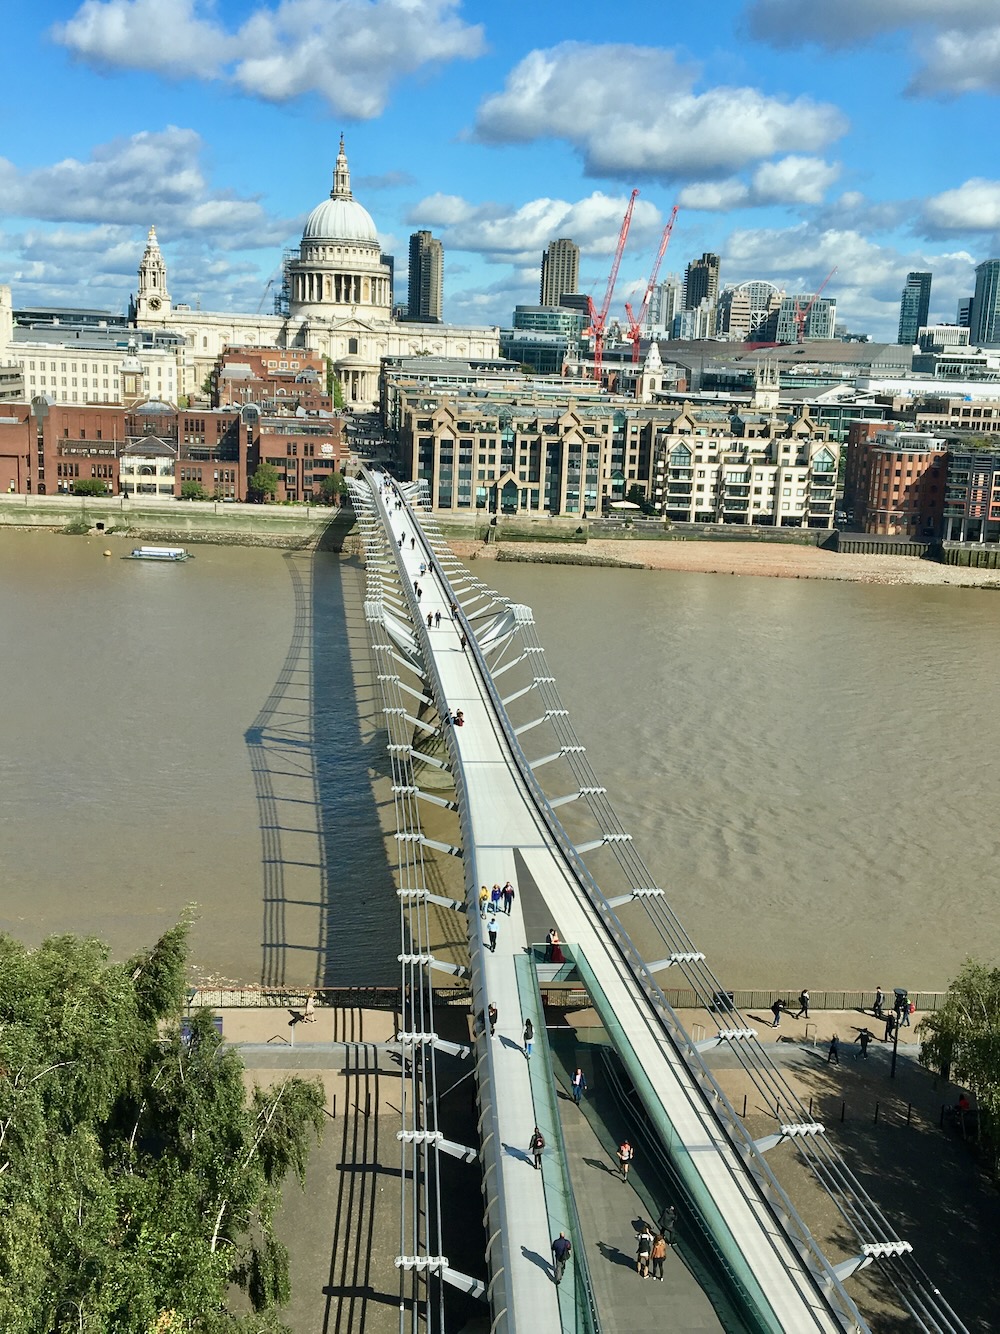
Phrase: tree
(193, 491)
(638, 497)
(137, 1180)
(90, 486)
(962, 1038)
(333, 487)
(264, 482)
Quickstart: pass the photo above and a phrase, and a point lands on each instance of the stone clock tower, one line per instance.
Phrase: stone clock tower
(153, 299)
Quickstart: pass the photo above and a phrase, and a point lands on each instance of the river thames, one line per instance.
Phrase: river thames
(809, 768)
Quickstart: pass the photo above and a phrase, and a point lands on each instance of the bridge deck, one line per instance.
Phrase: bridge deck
(502, 817)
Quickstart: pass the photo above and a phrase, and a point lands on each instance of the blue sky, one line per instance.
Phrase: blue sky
(795, 135)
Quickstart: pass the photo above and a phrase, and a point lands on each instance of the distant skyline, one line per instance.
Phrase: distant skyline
(794, 135)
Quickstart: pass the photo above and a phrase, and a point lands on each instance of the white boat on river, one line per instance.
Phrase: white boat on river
(159, 553)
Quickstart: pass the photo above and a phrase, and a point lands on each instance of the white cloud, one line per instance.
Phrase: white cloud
(792, 23)
(583, 94)
(790, 180)
(519, 235)
(960, 62)
(152, 176)
(973, 206)
(349, 52)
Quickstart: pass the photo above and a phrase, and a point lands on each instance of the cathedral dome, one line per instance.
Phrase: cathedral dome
(341, 217)
(338, 219)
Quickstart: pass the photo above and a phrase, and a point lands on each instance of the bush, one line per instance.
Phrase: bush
(90, 486)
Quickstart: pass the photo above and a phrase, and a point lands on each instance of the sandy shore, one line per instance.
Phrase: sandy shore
(768, 560)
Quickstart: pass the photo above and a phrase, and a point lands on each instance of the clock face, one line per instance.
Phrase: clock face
(154, 303)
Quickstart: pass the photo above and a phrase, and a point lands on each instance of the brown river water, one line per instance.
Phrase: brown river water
(808, 768)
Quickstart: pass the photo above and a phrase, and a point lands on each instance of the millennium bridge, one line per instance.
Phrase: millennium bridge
(771, 1273)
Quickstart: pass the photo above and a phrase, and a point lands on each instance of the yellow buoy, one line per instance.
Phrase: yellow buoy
(107, 553)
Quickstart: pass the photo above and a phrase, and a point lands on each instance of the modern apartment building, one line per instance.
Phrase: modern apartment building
(752, 468)
(914, 307)
(560, 271)
(425, 291)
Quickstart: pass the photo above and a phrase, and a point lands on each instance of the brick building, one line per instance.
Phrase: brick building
(897, 481)
(276, 379)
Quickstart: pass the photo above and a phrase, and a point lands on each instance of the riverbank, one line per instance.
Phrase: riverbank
(151, 519)
(765, 560)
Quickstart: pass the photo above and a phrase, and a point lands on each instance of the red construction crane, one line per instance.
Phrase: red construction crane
(802, 314)
(598, 318)
(635, 322)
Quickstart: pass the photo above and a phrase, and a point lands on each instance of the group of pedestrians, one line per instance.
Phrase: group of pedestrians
(651, 1247)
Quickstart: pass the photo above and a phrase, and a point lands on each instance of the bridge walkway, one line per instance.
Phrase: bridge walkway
(502, 816)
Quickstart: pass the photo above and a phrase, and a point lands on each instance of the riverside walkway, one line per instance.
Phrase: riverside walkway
(509, 831)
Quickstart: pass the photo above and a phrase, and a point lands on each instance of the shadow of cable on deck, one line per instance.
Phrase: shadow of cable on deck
(329, 907)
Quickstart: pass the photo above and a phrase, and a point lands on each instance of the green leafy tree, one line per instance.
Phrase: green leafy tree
(638, 497)
(264, 482)
(193, 491)
(333, 487)
(962, 1038)
(90, 486)
(137, 1180)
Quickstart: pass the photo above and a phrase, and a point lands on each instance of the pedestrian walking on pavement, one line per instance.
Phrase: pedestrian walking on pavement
(644, 1245)
(508, 897)
(803, 1004)
(561, 1251)
(537, 1144)
(864, 1037)
(890, 1027)
(491, 932)
(437, 619)
(491, 1014)
(657, 1256)
(529, 1037)
(413, 543)
(776, 1009)
(484, 898)
(626, 1156)
(834, 1053)
(579, 1085)
(462, 641)
(877, 1010)
(420, 593)
(430, 621)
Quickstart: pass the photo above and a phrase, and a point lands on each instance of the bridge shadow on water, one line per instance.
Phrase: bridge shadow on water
(330, 913)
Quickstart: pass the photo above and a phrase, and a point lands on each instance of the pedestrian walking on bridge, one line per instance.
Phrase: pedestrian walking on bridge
(803, 1004)
(561, 1251)
(491, 933)
(529, 1037)
(626, 1156)
(579, 1085)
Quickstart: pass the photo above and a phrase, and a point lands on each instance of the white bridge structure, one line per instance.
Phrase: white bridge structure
(507, 829)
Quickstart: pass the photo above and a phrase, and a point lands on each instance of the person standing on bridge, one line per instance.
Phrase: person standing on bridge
(536, 1144)
(657, 1256)
(644, 1247)
(878, 1008)
(491, 932)
(561, 1251)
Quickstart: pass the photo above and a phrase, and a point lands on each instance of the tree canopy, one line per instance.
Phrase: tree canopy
(962, 1037)
(137, 1178)
(264, 481)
